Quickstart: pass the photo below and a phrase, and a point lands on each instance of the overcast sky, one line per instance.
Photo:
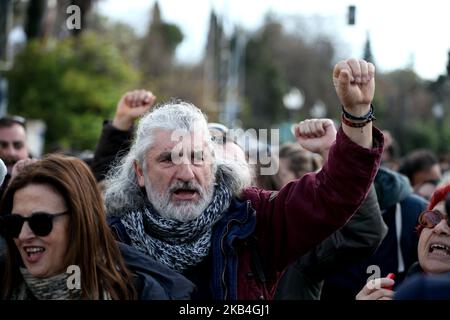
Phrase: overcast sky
(401, 31)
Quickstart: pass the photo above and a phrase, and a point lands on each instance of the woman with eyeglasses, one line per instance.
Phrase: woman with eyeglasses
(60, 247)
(433, 249)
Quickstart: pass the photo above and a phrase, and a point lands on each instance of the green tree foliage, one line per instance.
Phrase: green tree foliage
(264, 81)
(403, 106)
(119, 34)
(307, 64)
(278, 59)
(427, 132)
(420, 134)
(158, 46)
(72, 85)
(173, 36)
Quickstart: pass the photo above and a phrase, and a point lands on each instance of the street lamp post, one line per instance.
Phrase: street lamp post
(438, 112)
(318, 110)
(293, 101)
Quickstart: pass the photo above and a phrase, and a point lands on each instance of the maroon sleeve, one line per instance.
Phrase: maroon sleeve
(308, 210)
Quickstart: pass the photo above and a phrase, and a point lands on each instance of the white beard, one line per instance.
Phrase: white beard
(183, 210)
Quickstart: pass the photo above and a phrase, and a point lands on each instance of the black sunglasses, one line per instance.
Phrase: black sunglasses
(41, 223)
(431, 218)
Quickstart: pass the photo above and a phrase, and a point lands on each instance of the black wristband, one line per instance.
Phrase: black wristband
(368, 116)
(354, 124)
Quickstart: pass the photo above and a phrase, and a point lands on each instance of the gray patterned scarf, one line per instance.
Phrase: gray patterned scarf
(178, 245)
(52, 288)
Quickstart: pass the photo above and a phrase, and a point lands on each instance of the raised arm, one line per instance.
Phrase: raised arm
(116, 136)
(308, 210)
(322, 130)
(354, 82)
(131, 106)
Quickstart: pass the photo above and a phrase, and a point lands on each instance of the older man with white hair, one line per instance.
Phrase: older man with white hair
(174, 200)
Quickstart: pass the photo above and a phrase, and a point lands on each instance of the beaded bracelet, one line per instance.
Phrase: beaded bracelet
(356, 124)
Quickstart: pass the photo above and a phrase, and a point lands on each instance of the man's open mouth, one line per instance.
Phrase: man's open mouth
(184, 193)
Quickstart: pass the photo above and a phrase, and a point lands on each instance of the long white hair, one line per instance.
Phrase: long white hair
(122, 191)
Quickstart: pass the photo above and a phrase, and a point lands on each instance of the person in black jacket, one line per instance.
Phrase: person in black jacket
(59, 245)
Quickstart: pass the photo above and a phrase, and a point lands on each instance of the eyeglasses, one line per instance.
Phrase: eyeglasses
(218, 127)
(431, 218)
(218, 132)
(41, 223)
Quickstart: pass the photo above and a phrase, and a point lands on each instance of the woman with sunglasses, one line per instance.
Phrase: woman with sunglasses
(53, 221)
(433, 249)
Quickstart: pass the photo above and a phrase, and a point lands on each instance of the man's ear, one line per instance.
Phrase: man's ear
(139, 173)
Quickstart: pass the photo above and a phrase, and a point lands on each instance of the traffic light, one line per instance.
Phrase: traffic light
(351, 15)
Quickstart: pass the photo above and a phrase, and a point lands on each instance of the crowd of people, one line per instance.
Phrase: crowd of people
(174, 209)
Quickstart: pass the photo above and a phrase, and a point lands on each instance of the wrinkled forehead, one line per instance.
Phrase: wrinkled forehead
(167, 140)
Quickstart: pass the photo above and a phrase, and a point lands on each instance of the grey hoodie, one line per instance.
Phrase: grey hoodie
(391, 187)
